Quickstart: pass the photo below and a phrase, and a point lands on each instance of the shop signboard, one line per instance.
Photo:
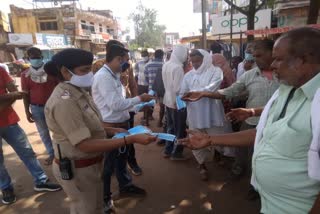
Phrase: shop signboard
(221, 24)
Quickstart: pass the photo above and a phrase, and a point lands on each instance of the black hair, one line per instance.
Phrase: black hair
(237, 58)
(215, 47)
(304, 41)
(144, 53)
(158, 54)
(265, 44)
(112, 42)
(196, 53)
(34, 51)
(69, 58)
(53, 70)
(116, 50)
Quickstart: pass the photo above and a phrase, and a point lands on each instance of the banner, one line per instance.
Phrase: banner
(221, 25)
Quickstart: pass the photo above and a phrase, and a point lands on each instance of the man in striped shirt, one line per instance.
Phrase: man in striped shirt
(153, 67)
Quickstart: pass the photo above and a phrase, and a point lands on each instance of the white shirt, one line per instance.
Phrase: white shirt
(172, 75)
(109, 95)
(240, 70)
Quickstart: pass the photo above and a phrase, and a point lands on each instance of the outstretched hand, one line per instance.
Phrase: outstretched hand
(192, 96)
(196, 140)
(143, 139)
(239, 114)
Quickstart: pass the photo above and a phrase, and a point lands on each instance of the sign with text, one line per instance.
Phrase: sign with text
(55, 41)
(221, 25)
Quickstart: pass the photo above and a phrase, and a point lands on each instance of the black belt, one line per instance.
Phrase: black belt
(40, 105)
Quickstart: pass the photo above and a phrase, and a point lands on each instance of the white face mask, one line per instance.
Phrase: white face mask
(146, 58)
(83, 81)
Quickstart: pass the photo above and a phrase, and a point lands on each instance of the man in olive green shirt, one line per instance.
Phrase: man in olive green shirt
(280, 160)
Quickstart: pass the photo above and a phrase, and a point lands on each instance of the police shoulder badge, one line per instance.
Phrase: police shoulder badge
(65, 95)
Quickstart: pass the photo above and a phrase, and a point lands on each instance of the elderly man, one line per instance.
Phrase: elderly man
(285, 168)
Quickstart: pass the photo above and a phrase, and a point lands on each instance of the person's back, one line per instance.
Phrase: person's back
(172, 75)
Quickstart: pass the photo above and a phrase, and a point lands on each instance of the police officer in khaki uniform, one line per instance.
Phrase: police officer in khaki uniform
(77, 131)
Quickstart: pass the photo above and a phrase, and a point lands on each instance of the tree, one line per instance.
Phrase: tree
(313, 11)
(250, 12)
(147, 32)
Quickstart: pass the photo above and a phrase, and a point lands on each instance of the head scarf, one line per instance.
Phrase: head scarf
(206, 63)
(220, 61)
(179, 55)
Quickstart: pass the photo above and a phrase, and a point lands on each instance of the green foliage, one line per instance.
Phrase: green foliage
(148, 34)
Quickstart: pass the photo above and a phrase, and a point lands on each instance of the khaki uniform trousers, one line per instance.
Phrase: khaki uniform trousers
(85, 190)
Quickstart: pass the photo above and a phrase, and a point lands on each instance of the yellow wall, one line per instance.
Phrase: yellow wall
(24, 24)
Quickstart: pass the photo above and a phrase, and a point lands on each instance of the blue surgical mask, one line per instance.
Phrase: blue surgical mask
(248, 57)
(152, 93)
(139, 130)
(180, 103)
(36, 63)
(83, 81)
(124, 66)
(165, 136)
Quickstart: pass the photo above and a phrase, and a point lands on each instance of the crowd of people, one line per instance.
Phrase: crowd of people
(262, 111)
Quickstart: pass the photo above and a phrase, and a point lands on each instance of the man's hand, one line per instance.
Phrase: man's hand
(29, 117)
(143, 139)
(239, 114)
(146, 97)
(196, 140)
(192, 96)
(18, 95)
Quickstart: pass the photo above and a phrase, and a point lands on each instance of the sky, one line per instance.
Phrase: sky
(176, 15)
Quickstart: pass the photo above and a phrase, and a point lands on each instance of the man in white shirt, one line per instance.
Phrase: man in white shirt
(109, 95)
(172, 75)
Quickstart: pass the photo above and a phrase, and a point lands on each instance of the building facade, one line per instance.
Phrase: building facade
(89, 30)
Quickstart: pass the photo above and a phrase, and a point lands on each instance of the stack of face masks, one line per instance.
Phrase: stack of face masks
(145, 130)
(180, 103)
(138, 107)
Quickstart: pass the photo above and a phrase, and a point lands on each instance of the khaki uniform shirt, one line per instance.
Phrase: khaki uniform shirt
(72, 117)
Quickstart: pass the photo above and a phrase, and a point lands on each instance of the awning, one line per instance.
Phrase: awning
(276, 30)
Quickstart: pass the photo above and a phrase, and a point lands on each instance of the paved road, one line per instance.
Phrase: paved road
(173, 187)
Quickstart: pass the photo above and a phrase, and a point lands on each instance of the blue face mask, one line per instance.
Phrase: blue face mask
(248, 57)
(124, 66)
(180, 103)
(36, 63)
(165, 136)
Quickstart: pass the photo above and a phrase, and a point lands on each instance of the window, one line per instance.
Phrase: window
(91, 27)
(46, 26)
(100, 28)
(84, 25)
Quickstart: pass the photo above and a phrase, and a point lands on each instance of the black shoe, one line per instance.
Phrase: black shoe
(132, 191)
(47, 187)
(8, 196)
(135, 169)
